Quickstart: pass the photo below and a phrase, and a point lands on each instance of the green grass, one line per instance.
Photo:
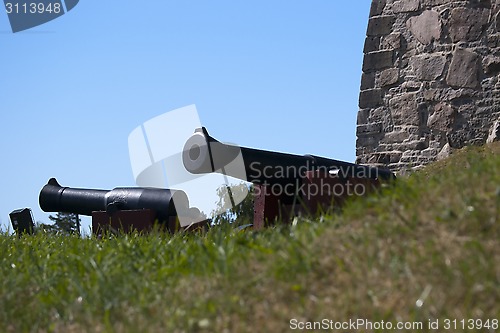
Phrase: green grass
(426, 248)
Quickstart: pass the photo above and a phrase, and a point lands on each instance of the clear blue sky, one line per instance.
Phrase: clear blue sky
(278, 75)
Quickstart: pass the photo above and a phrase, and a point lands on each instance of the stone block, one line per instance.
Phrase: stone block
(388, 77)
(428, 67)
(363, 116)
(378, 60)
(367, 81)
(369, 129)
(395, 137)
(381, 114)
(391, 42)
(443, 118)
(405, 6)
(404, 110)
(459, 137)
(385, 158)
(367, 142)
(491, 64)
(411, 86)
(464, 69)
(494, 134)
(445, 152)
(467, 24)
(432, 94)
(414, 146)
(493, 40)
(425, 27)
(421, 161)
(372, 43)
(484, 3)
(432, 3)
(429, 152)
(377, 7)
(489, 83)
(380, 25)
(370, 98)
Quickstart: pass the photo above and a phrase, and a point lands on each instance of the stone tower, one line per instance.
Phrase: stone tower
(430, 82)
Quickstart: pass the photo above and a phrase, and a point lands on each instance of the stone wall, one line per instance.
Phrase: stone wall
(430, 82)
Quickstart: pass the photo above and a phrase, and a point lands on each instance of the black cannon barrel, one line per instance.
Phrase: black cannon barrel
(203, 154)
(56, 198)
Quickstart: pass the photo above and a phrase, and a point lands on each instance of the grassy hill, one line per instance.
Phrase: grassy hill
(426, 249)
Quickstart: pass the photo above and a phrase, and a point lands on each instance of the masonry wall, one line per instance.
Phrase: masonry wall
(430, 82)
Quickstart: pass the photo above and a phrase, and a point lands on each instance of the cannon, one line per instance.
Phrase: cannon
(286, 184)
(204, 154)
(124, 204)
